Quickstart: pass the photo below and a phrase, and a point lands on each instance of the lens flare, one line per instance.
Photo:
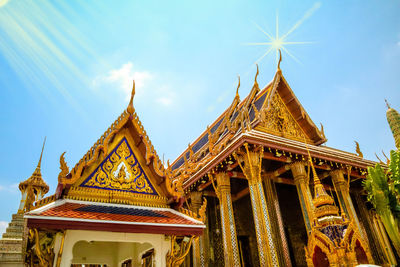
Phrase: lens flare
(280, 42)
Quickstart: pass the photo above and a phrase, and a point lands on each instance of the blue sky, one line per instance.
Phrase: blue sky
(66, 69)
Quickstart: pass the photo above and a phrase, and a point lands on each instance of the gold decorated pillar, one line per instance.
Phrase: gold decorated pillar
(250, 162)
(277, 222)
(342, 190)
(223, 191)
(303, 191)
(199, 257)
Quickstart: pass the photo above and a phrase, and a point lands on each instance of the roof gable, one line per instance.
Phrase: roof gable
(121, 167)
(283, 115)
(121, 171)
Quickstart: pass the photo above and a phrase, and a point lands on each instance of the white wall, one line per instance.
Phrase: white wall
(111, 248)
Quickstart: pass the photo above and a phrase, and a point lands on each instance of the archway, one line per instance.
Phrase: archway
(102, 253)
(320, 259)
(360, 254)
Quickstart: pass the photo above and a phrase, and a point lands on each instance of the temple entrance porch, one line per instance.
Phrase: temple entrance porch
(98, 248)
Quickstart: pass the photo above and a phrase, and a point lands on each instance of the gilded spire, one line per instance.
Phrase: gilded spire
(130, 108)
(41, 154)
(36, 180)
(393, 118)
(323, 203)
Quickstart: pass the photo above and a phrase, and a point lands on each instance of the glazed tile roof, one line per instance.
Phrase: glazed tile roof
(203, 139)
(81, 211)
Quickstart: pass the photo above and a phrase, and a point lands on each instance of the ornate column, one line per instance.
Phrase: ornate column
(223, 191)
(303, 191)
(277, 222)
(199, 257)
(378, 241)
(250, 163)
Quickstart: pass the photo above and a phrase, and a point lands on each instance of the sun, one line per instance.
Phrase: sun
(280, 42)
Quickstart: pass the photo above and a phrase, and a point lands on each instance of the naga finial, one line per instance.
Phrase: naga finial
(255, 78)
(280, 59)
(64, 170)
(237, 89)
(358, 150)
(130, 108)
(387, 103)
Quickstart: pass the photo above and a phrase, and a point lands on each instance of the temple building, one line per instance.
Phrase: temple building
(258, 187)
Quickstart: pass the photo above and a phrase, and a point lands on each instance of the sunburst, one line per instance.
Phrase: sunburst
(277, 42)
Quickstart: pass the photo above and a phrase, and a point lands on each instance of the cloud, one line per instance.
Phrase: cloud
(165, 96)
(121, 79)
(149, 86)
(3, 227)
(13, 188)
(398, 43)
(166, 101)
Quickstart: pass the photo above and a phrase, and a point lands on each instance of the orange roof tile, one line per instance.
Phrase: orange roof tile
(81, 211)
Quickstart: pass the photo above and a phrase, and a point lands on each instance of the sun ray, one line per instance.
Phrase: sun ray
(261, 29)
(290, 54)
(279, 42)
(277, 26)
(291, 43)
(268, 43)
(266, 53)
(308, 14)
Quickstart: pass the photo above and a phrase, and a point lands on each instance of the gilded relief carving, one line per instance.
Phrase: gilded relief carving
(120, 170)
(277, 119)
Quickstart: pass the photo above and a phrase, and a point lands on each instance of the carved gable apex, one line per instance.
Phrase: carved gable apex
(120, 171)
(283, 115)
(278, 120)
(120, 176)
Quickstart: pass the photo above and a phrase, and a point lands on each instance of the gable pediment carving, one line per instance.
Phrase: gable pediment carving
(279, 121)
(121, 171)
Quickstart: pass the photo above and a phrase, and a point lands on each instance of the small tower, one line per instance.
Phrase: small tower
(393, 118)
(33, 188)
(12, 241)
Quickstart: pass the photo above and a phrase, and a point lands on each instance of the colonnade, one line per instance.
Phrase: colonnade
(271, 240)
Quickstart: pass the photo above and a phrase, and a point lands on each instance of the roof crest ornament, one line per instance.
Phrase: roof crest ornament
(237, 89)
(255, 78)
(41, 154)
(387, 104)
(280, 59)
(130, 108)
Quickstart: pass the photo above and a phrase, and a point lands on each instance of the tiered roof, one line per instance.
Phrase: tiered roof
(272, 117)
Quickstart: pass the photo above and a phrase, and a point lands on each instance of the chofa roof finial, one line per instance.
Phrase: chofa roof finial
(280, 59)
(255, 78)
(130, 108)
(237, 89)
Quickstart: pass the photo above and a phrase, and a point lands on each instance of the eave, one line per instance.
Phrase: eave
(275, 142)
